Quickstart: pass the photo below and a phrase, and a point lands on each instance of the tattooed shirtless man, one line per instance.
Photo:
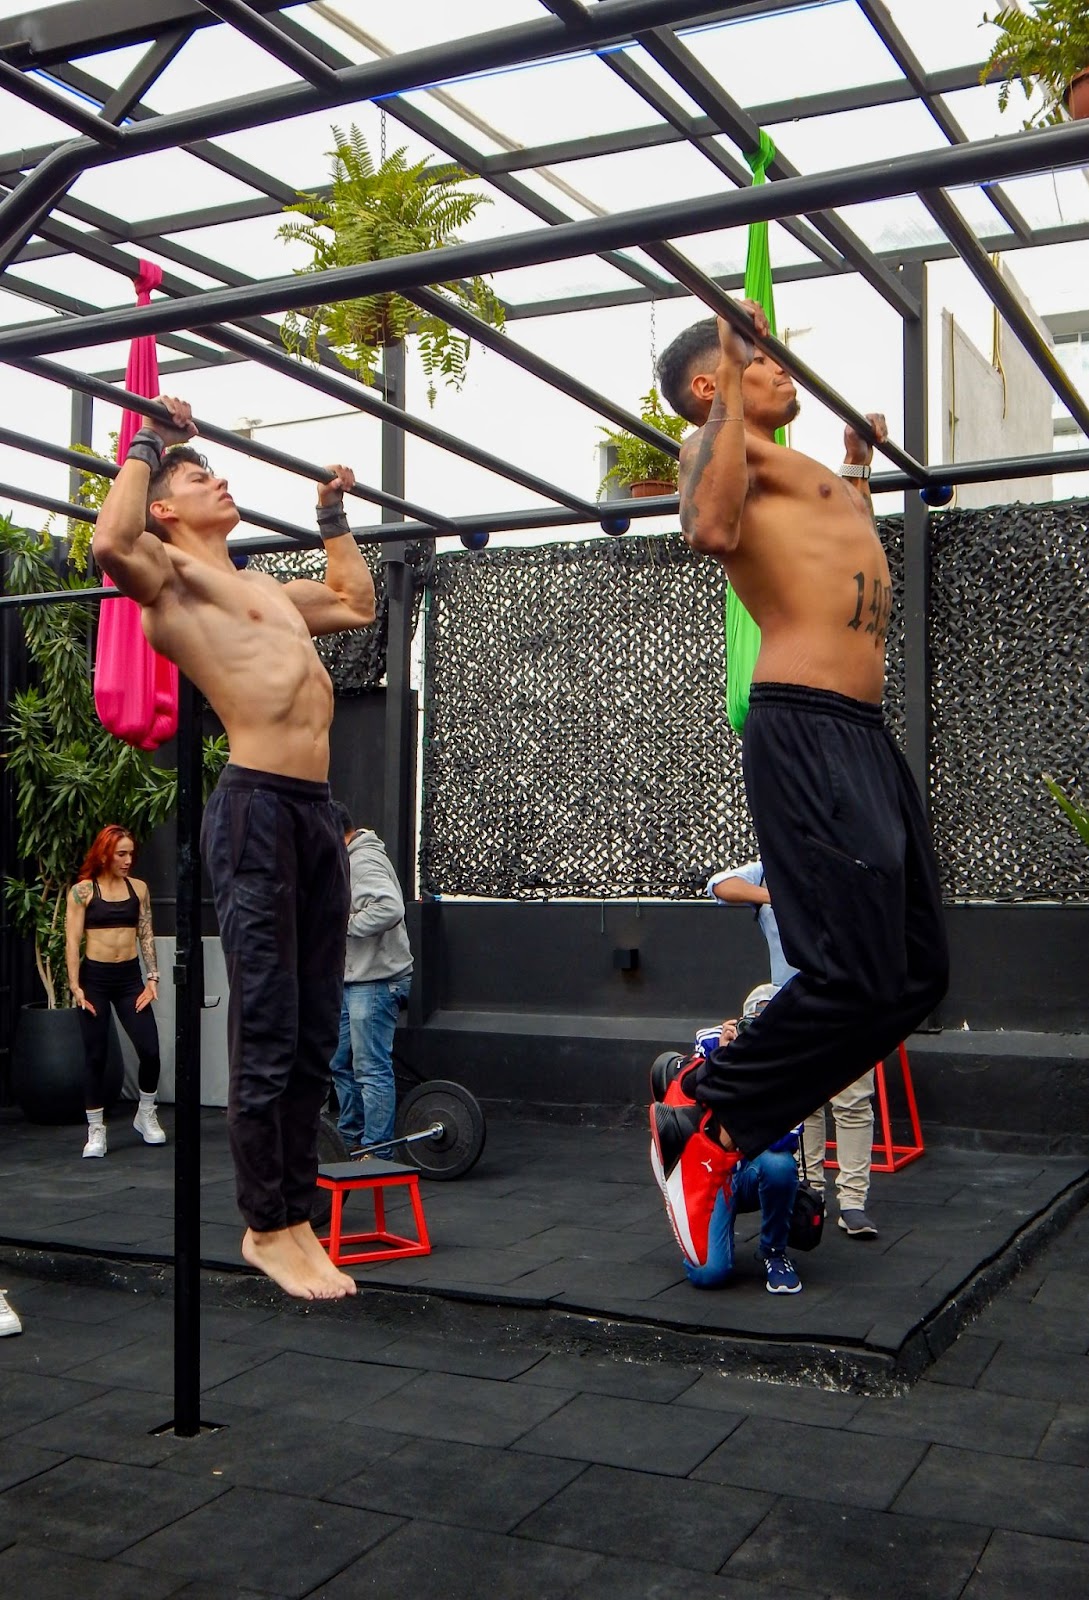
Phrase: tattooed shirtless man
(842, 833)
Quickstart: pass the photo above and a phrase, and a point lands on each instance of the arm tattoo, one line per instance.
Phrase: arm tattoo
(702, 455)
(145, 936)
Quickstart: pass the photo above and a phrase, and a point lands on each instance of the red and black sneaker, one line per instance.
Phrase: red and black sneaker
(693, 1171)
(666, 1072)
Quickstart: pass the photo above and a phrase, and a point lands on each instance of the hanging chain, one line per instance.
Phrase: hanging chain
(382, 134)
(653, 342)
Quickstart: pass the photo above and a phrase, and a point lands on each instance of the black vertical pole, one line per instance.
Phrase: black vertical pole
(398, 804)
(189, 999)
(81, 427)
(916, 595)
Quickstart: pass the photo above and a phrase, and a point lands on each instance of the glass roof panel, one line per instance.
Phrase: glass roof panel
(945, 33)
(154, 185)
(114, 66)
(850, 138)
(216, 64)
(412, 23)
(797, 52)
(635, 178)
(1052, 199)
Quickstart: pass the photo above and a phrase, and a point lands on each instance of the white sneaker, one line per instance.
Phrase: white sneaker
(96, 1140)
(147, 1126)
(9, 1322)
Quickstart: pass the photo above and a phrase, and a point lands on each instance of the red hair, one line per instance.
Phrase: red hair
(99, 856)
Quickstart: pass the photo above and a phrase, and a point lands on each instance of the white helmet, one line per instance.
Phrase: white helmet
(757, 998)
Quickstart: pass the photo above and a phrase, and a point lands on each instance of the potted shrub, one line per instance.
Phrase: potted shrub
(1047, 49)
(70, 777)
(640, 467)
(371, 214)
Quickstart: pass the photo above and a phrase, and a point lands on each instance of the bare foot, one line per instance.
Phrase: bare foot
(278, 1256)
(317, 1259)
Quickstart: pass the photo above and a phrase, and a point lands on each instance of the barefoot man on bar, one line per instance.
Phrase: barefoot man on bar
(272, 847)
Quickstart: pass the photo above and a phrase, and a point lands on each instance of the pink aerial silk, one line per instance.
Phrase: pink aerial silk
(136, 690)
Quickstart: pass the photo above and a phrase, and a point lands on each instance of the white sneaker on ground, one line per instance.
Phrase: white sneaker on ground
(96, 1140)
(147, 1126)
(9, 1322)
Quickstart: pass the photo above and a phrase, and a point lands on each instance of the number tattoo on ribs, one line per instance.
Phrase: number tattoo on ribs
(878, 610)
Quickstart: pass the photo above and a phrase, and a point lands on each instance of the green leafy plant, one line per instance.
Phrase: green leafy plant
(71, 777)
(1046, 49)
(1077, 814)
(637, 461)
(91, 493)
(372, 214)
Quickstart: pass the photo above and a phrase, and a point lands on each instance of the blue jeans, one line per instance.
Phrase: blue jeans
(362, 1067)
(766, 1184)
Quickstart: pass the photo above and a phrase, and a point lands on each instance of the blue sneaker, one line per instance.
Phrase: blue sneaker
(782, 1278)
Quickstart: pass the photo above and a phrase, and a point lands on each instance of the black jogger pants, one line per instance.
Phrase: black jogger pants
(854, 885)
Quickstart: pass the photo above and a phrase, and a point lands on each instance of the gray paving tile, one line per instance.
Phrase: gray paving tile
(316, 1385)
(1067, 1439)
(942, 1415)
(470, 1485)
(822, 1464)
(720, 1391)
(28, 1397)
(461, 1564)
(319, 1333)
(30, 1571)
(20, 1460)
(963, 1363)
(668, 1439)
(630, 1380)
(149, 1364)
(474, 1358)
(1017, 1566)
(115, 1426)
(857, 1555)
(997, 1492)
(443, 1405)
(280, 1450)
(96, 1509)
(617, 1579)
(1041, 1377)
(671, 1520)
(49, 1344)
(270, 1542)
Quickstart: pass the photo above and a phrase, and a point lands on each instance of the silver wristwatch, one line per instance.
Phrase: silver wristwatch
(847, 471)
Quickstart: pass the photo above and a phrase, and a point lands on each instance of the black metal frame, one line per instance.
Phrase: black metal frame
(232, 327)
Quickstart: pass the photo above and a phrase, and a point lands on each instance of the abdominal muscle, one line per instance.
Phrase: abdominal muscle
(113, 945)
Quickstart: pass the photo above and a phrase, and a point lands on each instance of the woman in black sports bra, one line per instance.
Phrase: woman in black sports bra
(111, 911)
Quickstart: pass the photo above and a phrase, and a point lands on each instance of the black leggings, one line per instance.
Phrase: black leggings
(854, 884)
(116, 983)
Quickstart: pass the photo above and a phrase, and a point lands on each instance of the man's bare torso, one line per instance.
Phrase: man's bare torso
(244, 644)
(811, 571)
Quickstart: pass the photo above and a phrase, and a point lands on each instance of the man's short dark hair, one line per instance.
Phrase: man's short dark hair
(680, 361)
(179, 455)
(343, 817)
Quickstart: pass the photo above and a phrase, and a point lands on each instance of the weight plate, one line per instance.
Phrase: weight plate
(458, 1147)
(331, 1148)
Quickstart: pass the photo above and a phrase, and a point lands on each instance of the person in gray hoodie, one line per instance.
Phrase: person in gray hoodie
(377, 980)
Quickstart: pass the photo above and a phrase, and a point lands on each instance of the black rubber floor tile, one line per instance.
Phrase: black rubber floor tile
(433, 1563)
(934, 1412)
(617, 1579)
(857, 1555)
(109, 1228)
(282, 1451)
(628, 1380)
(1021, 1566)
(444, 1405)
(1067, 1439)
(1036, 1328)
(48, 1344)
(318, 1386)
(720, 1391)
(465, 1484)
(962, 1365)
(819, 1463)
(667, 1439)
(578, 1281)
(573, 1243)
(27, 1397)
(149, 1364)
(97, 1509)
(30, 1571)
(998, 1492)
(20, 1461)
(474, 1358)
(218, 1591)
(71, 1302)
(117, 1426)
(670, 1520)
(274, 1543)
(1037, 1377)
(349, 1336)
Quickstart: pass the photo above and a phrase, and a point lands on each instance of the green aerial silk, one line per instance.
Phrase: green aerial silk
(742, 633)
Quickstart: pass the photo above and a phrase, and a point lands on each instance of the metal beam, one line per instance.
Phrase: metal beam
(39, 95)
(986, 160)
(265, 34)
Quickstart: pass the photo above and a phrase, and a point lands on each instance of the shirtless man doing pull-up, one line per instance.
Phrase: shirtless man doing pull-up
(842, 832)
(274, 852)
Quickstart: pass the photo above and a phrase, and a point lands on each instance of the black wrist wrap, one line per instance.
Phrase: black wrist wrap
(331, 521)
(147, 447)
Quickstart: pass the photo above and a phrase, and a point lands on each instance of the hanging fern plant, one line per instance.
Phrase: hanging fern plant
(371, 214)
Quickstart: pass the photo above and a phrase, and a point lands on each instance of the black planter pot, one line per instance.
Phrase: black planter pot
(47, 1066)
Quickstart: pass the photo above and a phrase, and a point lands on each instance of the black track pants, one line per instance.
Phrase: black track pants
(279, 871)
(850, 867)
(116, 983)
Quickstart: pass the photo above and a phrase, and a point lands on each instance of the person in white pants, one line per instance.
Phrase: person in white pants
(852, 1108)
